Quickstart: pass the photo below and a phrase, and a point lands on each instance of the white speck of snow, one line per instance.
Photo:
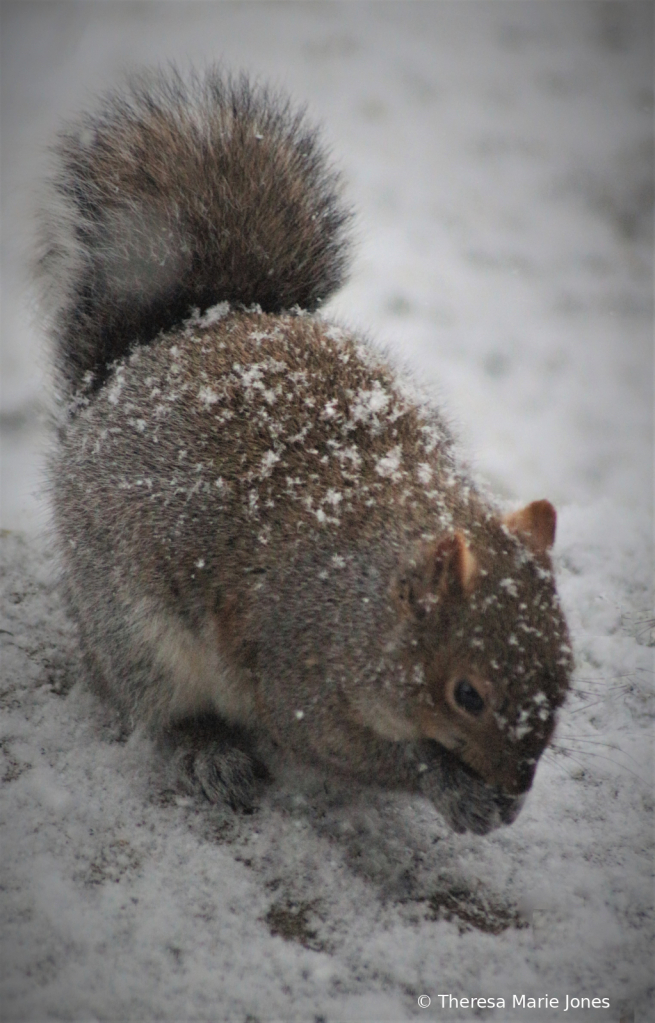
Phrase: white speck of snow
(522, 727)
(509, 585)
(299, 715)
(267, 463)
(424, 473)
(389, 465)
(333, 497)
(114, 391)
(214, 314)
(208, 396)
(368, 404)
(350, 454)
(250, 378)
(334, 333)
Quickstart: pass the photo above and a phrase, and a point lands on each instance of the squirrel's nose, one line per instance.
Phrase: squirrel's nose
(509, 807)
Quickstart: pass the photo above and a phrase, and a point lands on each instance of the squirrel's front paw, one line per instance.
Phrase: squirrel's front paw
(205, 757)
(221, 775)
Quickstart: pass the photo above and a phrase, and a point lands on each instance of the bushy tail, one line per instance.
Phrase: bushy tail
(178, 194)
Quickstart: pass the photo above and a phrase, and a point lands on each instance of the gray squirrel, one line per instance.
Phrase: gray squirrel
(263, 525)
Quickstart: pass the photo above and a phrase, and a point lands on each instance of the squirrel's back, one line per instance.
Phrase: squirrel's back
(177, 194)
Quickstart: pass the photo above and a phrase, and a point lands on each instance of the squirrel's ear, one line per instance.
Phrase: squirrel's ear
(535, 524)
(454, 565)
(445, 568)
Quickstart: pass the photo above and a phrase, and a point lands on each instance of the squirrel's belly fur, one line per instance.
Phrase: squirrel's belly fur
(263, 526)
(201, 678)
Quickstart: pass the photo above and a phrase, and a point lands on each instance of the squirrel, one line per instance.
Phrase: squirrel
(263, 525)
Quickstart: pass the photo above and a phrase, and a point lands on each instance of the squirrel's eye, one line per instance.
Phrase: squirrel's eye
(468, 698)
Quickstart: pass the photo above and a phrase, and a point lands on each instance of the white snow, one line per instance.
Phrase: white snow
(207, 396)
(389, 464)
(367, 404)
(498, 157)
(214, 314)
(267, 463)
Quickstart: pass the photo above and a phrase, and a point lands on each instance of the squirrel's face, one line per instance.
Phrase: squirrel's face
(488, 647)
(469, 715)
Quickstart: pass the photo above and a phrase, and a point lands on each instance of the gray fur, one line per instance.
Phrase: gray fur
(264, 528)
(178, 194)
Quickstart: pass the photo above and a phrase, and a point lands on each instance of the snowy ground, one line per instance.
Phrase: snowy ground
(499, 154)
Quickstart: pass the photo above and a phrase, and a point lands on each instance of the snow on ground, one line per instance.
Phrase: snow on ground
(499, 154)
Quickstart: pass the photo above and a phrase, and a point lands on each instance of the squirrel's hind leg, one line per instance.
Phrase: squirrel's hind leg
(138, 674)
(206, 756)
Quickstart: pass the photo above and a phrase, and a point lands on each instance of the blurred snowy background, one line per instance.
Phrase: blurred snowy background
(499, 155)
